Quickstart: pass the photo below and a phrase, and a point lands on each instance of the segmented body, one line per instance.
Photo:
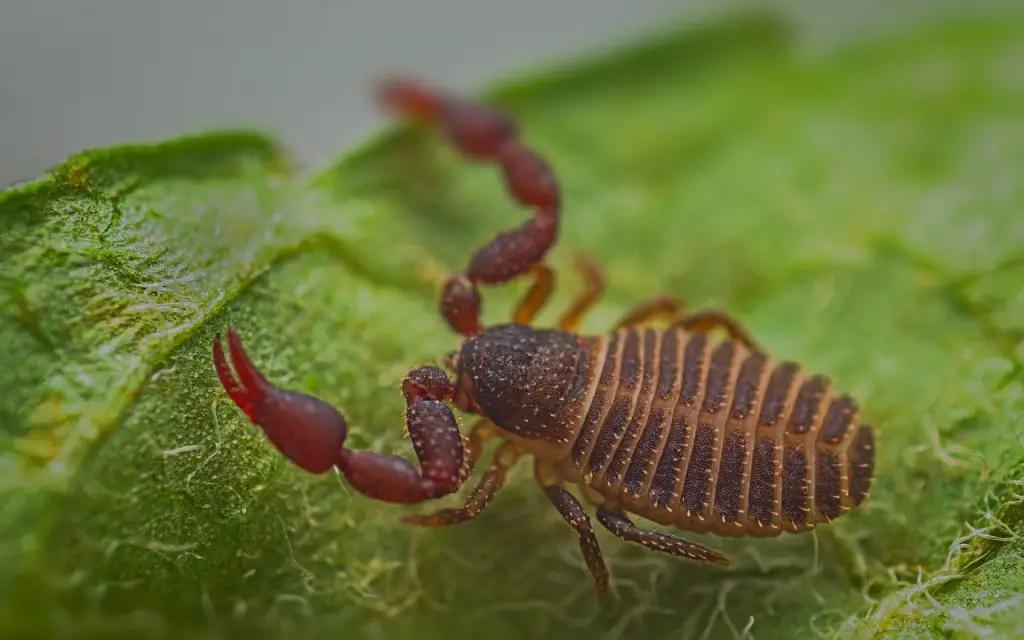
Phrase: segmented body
(678, 427)
(711, 437)
(666, 423)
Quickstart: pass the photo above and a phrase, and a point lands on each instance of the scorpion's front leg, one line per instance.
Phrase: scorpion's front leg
(311, 433)
(490, 483)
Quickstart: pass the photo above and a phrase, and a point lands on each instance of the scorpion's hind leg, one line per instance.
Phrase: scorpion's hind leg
(706, 321)
(666, 307)
(484, 133)
(661, 307)
(593, 289)
(573, 512)
(537, 296)
(311, 433)
(617, 522)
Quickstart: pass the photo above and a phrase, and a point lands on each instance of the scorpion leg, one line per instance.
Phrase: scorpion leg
(481, 431)
(483, 133)
(705, 321)
(594, 288)
(311, 433)
(537, 296)
(492, 480)
(573, 512)
(660, 307)
(617, 522)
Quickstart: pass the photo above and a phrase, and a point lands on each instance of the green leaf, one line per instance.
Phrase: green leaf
(859, 210)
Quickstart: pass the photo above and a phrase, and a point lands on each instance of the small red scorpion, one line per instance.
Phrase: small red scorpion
(661, 422)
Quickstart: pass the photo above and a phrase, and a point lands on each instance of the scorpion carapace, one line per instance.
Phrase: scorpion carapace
(655, 418)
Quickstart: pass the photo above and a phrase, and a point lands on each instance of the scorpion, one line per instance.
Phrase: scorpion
(654, 419)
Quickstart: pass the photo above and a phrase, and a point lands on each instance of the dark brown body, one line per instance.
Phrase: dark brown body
(676, 427)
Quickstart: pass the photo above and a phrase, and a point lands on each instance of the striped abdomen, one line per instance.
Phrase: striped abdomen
(709, 436)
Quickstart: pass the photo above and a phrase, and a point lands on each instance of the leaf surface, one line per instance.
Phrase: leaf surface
(859, 212)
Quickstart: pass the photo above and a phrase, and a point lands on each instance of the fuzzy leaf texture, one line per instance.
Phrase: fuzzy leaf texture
(859, 209)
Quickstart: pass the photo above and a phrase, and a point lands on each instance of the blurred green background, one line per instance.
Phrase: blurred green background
(856, 205)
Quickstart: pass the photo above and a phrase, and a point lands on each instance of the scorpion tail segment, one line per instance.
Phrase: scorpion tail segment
(310, 432)
(460, 306)
(411, 98)
(483, 133)
(436, 440)
(513, 253)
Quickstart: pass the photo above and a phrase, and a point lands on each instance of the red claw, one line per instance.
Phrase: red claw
(236, 393)
(250, 377)
(311, 433)
(308, 430)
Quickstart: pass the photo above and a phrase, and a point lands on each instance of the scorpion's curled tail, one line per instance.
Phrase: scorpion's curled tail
(484, 133)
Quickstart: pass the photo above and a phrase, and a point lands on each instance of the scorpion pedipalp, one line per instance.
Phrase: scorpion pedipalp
(306, 429)
(312, 433)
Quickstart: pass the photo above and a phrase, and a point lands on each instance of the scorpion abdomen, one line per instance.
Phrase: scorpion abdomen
(713, 437)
